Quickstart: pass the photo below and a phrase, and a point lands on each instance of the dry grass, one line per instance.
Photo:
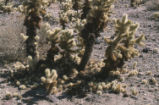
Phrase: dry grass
(152, 5)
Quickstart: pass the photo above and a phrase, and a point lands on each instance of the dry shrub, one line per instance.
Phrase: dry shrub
(152, 5)
(11, 45)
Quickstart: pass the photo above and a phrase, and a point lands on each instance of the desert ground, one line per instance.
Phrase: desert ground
(12, 49)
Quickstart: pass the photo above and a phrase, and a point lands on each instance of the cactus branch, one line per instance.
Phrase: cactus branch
(96, 21)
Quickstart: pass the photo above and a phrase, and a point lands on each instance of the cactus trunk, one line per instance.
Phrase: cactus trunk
(30, 42)
(50, 58)
(86, 56)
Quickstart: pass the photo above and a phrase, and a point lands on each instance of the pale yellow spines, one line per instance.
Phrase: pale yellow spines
(50, 80)
(121, 48)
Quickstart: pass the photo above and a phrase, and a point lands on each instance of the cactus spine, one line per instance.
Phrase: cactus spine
(50, 81)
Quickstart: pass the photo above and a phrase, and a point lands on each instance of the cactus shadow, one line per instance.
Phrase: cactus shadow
(82, 90)
(34, 95)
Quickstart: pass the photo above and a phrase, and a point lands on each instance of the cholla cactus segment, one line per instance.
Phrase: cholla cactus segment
(47, 73)
(144, 81)
(134, 91)
(50, 80)
(63, 45)
(63, 19)
(54, 74)
(53, 35)
(37, 38)
(79, 25)
(44, 28)
(32, 62)
(23, 36)
(153, 81)
(67, 42)
(67, 5)
(19, 66)
(133, 73)
(43, 79)
(121, 48)
(67, 14)
(21, 8)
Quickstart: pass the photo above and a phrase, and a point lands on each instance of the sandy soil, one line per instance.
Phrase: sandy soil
(11, 26)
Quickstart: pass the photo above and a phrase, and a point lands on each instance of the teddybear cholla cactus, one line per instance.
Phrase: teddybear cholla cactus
(50, 81)
(53, 38)
(63, 45)
(65, 7)
(97, 19)
(34, 11)
(121, 48)
(67, 42)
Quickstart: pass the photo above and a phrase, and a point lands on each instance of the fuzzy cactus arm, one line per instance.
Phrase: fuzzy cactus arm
(67, 42)
(53, 36)
(50, 81)
(121, 48)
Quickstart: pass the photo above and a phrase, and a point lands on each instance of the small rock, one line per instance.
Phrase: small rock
(146, 50)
